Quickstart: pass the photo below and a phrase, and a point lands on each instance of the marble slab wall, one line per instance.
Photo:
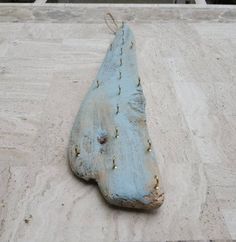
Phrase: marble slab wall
(48, 59)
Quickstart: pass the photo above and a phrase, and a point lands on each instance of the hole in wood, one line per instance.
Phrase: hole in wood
(102, 139)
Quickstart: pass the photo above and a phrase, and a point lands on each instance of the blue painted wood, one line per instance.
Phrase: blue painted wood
(109, 140)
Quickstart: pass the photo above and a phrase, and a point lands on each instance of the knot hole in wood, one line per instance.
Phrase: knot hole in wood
(102, 137)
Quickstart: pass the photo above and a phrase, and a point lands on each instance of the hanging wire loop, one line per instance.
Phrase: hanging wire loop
(112, 26)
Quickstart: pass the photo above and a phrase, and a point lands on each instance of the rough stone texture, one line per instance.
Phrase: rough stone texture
(188, 72)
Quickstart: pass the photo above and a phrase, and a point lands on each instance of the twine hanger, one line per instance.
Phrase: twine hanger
(112, 24)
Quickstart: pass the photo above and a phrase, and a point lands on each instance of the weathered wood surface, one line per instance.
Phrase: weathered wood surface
(109, 141)
(186, 57)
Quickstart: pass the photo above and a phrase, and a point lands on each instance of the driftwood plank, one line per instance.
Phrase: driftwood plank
(109, 140)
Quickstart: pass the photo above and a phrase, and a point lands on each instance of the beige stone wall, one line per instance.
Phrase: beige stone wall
(48, 59)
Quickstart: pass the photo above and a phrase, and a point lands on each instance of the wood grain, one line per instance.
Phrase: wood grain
(109, 140)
